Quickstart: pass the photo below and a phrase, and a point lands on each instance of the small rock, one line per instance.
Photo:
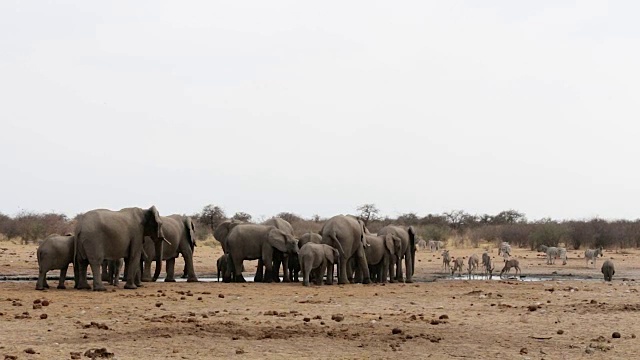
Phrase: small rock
(337, 317)
(239, 351)
(221, 296)
(306, 319)
(524, 351)
(43, 316)
(589, 350)
(75, 355)
(29, 351)
(532, 308)
(10, 357)
(633, 336)
(396, 331)
(442, 317)
(615, 335)
(158, 304)
(560, 332)
(45, 302)
(37, 301)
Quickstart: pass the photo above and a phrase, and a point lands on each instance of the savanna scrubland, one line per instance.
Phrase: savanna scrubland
(434, 317)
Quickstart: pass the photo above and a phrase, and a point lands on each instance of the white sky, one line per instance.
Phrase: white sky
(318, 107)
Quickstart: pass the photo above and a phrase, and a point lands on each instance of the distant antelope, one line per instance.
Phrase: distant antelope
(473, 264)
(446, 260)
(590, 254)
(488, 269)
(485, 258)
(458, 263)
(513, 263)
(504, 250)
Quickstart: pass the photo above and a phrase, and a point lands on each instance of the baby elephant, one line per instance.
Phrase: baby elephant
(317, 257)
(608, 270)
(55, 252)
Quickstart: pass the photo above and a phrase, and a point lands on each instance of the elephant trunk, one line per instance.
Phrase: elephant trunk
(158, 248)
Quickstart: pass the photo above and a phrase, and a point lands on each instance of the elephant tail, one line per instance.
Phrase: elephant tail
(334, 239)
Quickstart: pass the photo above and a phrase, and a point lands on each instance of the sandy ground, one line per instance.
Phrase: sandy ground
(477, 319)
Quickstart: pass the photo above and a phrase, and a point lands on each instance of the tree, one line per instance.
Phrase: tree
(408, 219)
(368, 212)
(508, 217)
(211, 216)
(289, 217)
(241, 216)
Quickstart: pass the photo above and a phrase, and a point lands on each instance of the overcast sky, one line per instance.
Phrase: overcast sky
(318, 107)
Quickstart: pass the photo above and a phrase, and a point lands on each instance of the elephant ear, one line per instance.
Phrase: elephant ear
(388, 242)
(191, 229)
(412, 236)
(278, 239)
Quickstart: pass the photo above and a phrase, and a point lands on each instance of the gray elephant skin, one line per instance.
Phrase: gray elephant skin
(608, 270)
(222, 231)
(294, 263)
(179, 231)
(408, 251)
(111, 271)
(111, 235)
(279, 258)
(252, 242)
(381, 254)
(319, 258)
(55, 252)
(346, 233)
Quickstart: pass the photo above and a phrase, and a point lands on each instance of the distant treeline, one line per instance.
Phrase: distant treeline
(457, 227)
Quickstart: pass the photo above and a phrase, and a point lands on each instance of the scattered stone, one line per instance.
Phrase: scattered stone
(29, 351)
(75, 355)
(271, 313)
(221, 296)
(37, 301)
(533, 307)
(593, 302)
(337, 317)
(45, 302)
(43, 316)
(101, 353)
(306, 319)
(615, 335)
(317, 317)
(524, 351)
(396, 331)
(633, 336)
(158, 304)
(239, 351)
(37, 306)
(560, 332)
(10, 357)
(442, 317)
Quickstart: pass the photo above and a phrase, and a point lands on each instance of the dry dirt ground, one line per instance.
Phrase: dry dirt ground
(477, 319)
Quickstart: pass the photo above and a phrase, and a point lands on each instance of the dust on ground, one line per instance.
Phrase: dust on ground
(478, 319)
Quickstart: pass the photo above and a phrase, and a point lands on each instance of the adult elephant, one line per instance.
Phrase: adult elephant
(346, 233)
(222, 231)
(112, 235)
(251, 242)
(408, 250)
(381, 255)
(180, 231)
(279, 257)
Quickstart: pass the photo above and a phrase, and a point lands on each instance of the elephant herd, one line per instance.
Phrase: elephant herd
(136, 237)
(105, 239)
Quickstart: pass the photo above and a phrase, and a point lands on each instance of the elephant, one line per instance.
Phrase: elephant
(55, 252)
(105, 234)
(111, 271)
(179, 230)
(408, 251)
(318, 257)
(294, 263)
(251, 242)
(380, 253)
(222, 231)
(279, 258)
(221, 267)
(346, 233)
(608, 270)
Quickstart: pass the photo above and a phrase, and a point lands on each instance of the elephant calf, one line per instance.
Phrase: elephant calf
(55, 252)
(319, 258)
(608, 270)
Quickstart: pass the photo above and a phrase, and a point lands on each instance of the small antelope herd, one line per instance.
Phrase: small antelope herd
(485, 268)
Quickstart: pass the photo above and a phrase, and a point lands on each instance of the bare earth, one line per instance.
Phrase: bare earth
(475, 319)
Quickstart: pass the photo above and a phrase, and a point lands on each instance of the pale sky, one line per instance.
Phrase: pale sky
(318, 107)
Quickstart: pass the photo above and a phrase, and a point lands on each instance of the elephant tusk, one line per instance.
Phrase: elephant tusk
(167, 241)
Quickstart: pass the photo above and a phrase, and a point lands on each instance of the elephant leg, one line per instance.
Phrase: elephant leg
(329, 273)
(358, 275)
(42, 279)
(267, 258)
(306, 271)
(187, 255)
(259, 271)
(342, 271)
(408, 262)
(96, 269)
(171, 264)
(76, 276)
(105, 270)
(384, 271)
(321, 272)
(277, 261)
(285, 268)
(362, 264)
(115, 276)
(399, 276)
(82, 276)
(131, 268)
(63, 277)
(237, 268)
(146, 271)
